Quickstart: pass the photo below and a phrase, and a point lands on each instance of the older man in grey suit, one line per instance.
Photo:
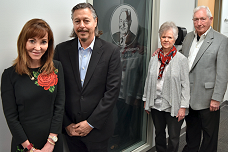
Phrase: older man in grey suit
(207, 52)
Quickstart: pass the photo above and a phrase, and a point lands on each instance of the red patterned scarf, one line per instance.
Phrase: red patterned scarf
(165, 60)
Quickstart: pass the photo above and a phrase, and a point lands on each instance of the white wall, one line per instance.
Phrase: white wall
(178, 11)
(14, 14)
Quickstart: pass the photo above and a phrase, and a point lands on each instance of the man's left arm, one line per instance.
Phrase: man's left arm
(221, 75)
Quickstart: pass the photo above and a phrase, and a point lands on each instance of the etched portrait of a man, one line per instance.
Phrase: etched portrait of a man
(124, 36)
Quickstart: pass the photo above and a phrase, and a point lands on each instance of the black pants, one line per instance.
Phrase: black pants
(161, 119)
(202, 122)
(80, 144)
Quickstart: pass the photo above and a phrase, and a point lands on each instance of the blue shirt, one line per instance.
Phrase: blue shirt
(84, 56)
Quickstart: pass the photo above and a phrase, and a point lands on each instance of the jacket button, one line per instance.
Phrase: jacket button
(82, 97)
(79, 113)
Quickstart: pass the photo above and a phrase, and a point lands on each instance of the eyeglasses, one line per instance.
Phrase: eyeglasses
(202, 19)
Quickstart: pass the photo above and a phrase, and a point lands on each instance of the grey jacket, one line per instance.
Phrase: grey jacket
(209, 73)
(175, 90)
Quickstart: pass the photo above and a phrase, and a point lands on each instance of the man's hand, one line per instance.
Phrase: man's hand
(82, 128)
(181, 114)
(71, 130)
(156, 52)
(214, 106)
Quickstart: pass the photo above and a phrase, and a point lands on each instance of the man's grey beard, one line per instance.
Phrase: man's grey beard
(83, 39)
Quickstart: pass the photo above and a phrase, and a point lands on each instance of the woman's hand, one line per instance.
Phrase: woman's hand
(181, 114)
(25, 144)
(48, 147)
(144, 108)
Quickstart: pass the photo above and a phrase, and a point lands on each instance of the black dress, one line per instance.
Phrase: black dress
(33, 108)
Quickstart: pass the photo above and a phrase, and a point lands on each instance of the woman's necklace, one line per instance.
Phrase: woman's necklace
(31, 76)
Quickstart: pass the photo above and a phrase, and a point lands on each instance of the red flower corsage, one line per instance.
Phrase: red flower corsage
(48, 81)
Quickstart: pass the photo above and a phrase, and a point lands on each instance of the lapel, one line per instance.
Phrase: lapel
(207, 42)
(188, 47)
(95, 57)
(73, 55)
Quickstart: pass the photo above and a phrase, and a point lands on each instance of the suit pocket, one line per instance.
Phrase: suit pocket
(209, 85)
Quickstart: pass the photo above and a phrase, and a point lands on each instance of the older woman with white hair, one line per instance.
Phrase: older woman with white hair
(167, 90)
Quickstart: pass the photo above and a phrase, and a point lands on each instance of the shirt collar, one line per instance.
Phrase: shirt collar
(90, 46)
(204, 34)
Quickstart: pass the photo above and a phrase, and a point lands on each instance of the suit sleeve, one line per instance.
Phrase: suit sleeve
(10, 108)
(221, 71)
(107, 103)
(56, 125)
(66, 120)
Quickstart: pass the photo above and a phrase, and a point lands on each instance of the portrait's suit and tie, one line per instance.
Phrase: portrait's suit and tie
(124, 37)
(208, 77)
(124, 41)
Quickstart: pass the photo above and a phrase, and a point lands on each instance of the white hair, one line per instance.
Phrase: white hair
(167, 26)
(202, 7)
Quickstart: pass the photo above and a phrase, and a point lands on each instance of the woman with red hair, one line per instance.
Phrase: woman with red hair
(32, 92)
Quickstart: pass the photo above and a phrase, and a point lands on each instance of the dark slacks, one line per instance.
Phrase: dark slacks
(124, 114)
(80, 144)
(202, 122)
(161, 119)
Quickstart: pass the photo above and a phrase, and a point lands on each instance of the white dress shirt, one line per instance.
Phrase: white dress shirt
(159, 103)
(195, 48)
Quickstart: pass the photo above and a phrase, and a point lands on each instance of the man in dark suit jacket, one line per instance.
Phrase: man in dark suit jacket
(92, 71)
(207, 52)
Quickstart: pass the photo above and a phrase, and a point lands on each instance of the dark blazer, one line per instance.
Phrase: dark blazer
(94, 101)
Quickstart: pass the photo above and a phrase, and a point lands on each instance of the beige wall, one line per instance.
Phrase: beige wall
(208, 3)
